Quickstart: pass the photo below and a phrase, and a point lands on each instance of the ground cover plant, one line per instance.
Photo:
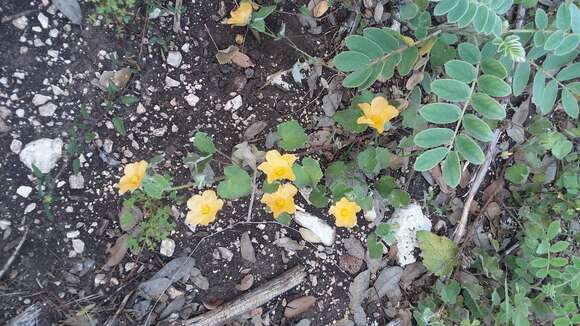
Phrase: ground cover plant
(418, 159)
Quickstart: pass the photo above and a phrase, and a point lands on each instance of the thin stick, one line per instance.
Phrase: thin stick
(15, 253)
(251, 206)
(462, 225)
(18, 15)
(211, 37)
(177, 17)
(251, 300)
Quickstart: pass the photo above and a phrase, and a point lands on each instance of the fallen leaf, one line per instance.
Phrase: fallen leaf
(233, 55)
(298, 306)
(118, 251)
(438, 177)
(387, 283)
(516, 129)
(357, 293)
(320, 9)
(254, 129)
(350, 263)
(492, 190)
(289, 244)
(198, 279)
(246, 282)
(246, 248)
(493, 210)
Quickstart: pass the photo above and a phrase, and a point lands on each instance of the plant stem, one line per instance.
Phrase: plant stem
(549, 75)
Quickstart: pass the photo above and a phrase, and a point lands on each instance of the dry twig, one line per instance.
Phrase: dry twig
(15, 253)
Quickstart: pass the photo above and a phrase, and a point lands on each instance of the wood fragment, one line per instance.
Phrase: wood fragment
(462, 225)
(15, 253)
(250, 300)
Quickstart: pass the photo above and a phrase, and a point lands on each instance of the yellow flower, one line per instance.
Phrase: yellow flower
(409, 41)
(345, 212)
(242, 15)
(277, 166)
(281, 201)
(377, 113)
(134, 174)
(203, 208)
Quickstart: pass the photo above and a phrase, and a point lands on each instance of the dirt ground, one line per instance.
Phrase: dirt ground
(61, 60)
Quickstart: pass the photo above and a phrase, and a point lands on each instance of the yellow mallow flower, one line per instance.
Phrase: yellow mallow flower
(242, 15)
(278, 166)
(281, 201)
(377, 113)
(134, 174)
(345, 212)
(203, 208)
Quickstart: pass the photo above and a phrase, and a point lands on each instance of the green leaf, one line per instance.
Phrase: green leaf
(549, 97)
(554, 61)
(517, 173)
(569, 44)
(155, 185)
(357, 78)
(388, 69)
(204, 143)
(408, 59)
(563, 17)
(439, 253)
(538, 86)
(318, 197)
(308, 174)
(347, 119)
(127, 100)
(469, 149)
(440, 113)
(351, 61)
(539, 263)
(292, 135)
(570, 72)
(433, 137)
(385, 185)
(119, 125)
(408, 11)
(448, 292)
(451, 169)
(570, 103)
(553, 230)
(469, 52)
(398, 198)
(429, 159)
(444, 6)
(559, 246)
(386, 41)
(477, 128)
(237, 183)
(521, 78)
(488, 106)
(561, 148)
(375, 246)
(468, 17)
(554, 40)
(461, 70)
(494, 67)
(451, 90)
(482, 15)
(441, 53)
(493, 86)
(541, 18)
(387, 232)
(364, 45)
(284, 219)
(457, 13)
(373, 159)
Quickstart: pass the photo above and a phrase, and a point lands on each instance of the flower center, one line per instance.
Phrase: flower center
(376, 120)
(280, 171)
(279, 203)
(344, 212)
(205, 209)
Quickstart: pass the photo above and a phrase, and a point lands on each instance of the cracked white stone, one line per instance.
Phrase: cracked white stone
(191, 99)
(20, 22)
(16, 146)
(140, 108)
(73, 234)
(43, 20)
(170, 82)
(410, 220)
(167, 247)
(234, 103)
(76, 181)
(323, 231)
(78, 246)
(40, 99)
(44, 153)
(174, 58)
(24, 191)
(47, 110)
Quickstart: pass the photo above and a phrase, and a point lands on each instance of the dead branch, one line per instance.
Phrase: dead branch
(15, 253)
(462, 225)
(250, 300)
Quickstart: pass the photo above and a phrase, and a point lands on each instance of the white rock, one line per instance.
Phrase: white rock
(410, 220)
(140, 108)
(170, 82)
(191, 99)
(309, 235)
(167, 247)
(76, 181)
(20, 22)
(78, 246)
(40, 99)
(73, 234)
(174, 58)
(43, 20)
(30, 208)
(99, 279)
(20, 113)
(324, 231)
(15, 146)
(234, 103)
(43, 152)
(4, 224)
(47, 110)
(24, 191)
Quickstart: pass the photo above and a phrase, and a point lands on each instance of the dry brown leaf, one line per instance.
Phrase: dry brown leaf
(298, 306)
(438, 176)
(118, 251)
(233, 55)
(350, 263)
(320, 9)
(246, 282)
(492, 190)
(415, 79)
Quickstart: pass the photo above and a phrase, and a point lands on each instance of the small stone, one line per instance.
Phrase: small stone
(43, 20)
(99, 279)
(191, 99)
(40, 99)
(140, 108)
(167, 247)
(47, 110)
(44, 153)
(30, 208)
(24, 191)
(76, 181)
(20, 113)
(234, 103)
(174, 58)
(16, 146)
(129, 266)
(73, 234)
(20, 22)
(170, 82)
(108, 145)
(78, 246)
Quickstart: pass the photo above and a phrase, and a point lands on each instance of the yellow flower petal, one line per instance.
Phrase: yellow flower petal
(242, 15)
(133, 176)
(377, 113)
(278, 166)
(281, 201)
(409, 41)
(203, 208)
(344, 212)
